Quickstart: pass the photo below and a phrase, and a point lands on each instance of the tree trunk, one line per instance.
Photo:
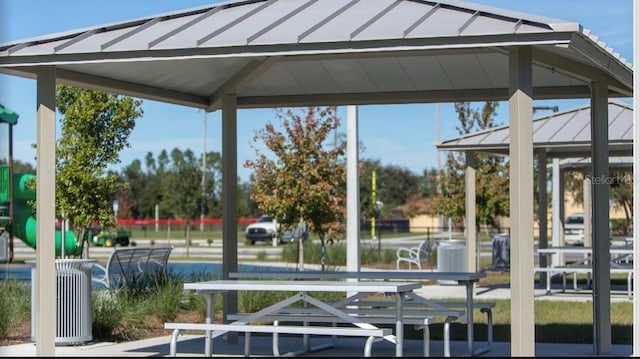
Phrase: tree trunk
(188, 238)
(300, 247)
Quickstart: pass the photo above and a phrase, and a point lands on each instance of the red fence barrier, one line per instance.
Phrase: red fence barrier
(165, 222)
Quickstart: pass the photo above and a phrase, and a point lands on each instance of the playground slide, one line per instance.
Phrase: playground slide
(24, 224)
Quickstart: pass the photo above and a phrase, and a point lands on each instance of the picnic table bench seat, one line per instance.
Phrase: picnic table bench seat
(420, 318)
(372, 334)
(132, 263)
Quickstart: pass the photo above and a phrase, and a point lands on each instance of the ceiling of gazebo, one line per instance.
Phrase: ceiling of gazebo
(275, 53)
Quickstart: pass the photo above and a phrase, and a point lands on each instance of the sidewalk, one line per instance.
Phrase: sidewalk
(193, 345)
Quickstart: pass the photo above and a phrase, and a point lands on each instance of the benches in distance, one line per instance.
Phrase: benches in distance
(584, 269)
(125, 266)
(372, 334)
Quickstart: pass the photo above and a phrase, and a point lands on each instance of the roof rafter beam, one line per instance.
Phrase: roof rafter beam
(386, 54)
(129, 88)
(240, 79)
(406, 97)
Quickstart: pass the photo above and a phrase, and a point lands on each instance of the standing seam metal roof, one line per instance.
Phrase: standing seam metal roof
(300, 52)
(564, 134)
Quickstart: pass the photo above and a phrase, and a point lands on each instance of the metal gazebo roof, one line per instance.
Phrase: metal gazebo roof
(563, 135)
(301, 52)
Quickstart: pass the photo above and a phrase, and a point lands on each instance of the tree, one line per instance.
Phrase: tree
(95, 127)
(620, 190)
(23, 167)
(492, 176)
(306, 182)
(213, 184)
(182, 188)
(395, 188)
(622, 194)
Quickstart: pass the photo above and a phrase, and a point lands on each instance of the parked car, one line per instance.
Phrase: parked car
(574, 229)
(266, 228)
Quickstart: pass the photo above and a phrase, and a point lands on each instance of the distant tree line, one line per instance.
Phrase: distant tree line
(172, 181)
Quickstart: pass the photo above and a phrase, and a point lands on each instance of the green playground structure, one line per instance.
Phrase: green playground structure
(16, 193)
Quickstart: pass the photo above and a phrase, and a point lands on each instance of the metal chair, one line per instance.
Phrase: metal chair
(415, 255)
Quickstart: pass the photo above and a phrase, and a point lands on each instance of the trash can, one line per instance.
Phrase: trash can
(73, 301)
(451, 258)
(4, 248)
(501, 251)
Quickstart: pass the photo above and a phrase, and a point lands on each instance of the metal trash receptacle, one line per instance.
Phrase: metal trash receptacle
(4, 247)
(501, 251)
(73, 301)
(451, 258)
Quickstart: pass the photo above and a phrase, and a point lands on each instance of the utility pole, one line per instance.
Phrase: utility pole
(438, 168)
(373, 203)
(204, 167)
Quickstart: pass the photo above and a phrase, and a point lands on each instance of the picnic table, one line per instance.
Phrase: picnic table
(467, 279)
(621, 262)
(304, 291)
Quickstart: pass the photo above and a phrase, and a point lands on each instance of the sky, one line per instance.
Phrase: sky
(410, 145)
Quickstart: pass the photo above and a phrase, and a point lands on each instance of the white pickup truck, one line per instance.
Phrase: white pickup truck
(266, 229)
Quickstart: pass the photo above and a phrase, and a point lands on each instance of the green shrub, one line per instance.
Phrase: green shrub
(261, 256)
(15, 305)
(619, 226)
(256, 301)
(106, 311)
(336, 254)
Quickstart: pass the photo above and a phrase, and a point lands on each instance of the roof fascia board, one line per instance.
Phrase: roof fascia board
(621, 71)
(315, 49)
(580, 71)
(555, 151)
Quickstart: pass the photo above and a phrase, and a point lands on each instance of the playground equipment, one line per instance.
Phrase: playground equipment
(16, 193)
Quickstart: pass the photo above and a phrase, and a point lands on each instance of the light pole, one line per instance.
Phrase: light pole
(204, 166)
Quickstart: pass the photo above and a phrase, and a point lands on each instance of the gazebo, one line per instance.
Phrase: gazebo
(565, 138)
(288, 53)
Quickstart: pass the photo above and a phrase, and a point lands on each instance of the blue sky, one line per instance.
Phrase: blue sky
(410, 145)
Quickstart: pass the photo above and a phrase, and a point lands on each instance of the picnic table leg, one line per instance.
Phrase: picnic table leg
(469, 286)
(209, 319)
(399, 325)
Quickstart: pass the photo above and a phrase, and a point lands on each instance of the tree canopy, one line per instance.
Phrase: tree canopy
(492, 176)
(306, 182)
(95, 127)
